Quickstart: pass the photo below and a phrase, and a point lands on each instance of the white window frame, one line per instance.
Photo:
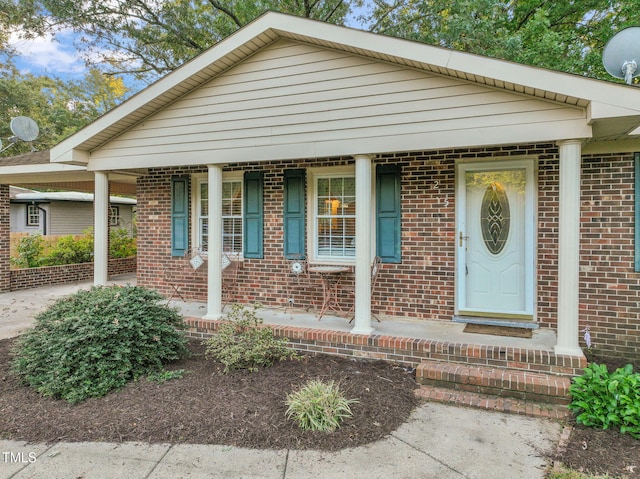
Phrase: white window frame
(313, 174)
(114, 215)
(198, 181)
(31, 215)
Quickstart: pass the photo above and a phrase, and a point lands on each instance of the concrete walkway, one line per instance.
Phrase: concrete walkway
(438, 441)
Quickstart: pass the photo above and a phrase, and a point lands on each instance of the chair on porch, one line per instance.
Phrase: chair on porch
(177, 272)
(297, 276)
(376, 266)
(230, 266)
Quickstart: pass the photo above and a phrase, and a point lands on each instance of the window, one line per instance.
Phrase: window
(114, 215)
(334, 219)
(33, 215)
(231, 215)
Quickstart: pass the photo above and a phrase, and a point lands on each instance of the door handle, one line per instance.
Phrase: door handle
(462, 238)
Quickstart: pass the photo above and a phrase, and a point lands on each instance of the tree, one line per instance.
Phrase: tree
(148, 38)
(565, 35)
(59, 107)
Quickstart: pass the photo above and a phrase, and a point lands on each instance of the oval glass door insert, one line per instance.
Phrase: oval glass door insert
(494, 217)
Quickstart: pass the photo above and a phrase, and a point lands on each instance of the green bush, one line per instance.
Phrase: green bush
(319, 406)
(69, 250)
(603, 400)
(241, 343)
(29, 251)
(121, 243)
(94, 341)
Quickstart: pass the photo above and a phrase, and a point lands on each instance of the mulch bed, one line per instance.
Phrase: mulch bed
(595, 451)
(207, 407)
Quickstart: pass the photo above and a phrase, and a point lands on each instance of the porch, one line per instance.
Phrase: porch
(449, 361)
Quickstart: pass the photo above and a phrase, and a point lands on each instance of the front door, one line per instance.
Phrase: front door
(495, 238)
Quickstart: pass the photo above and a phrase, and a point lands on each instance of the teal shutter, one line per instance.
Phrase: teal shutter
(388, 213)
(637, 211)
(294, 213)
(253, 215)
(179, 216)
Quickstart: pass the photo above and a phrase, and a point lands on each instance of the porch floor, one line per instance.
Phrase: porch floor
(543, 339)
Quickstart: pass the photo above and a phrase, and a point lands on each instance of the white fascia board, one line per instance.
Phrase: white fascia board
(62, 154)
(42, 168)
(598, 111)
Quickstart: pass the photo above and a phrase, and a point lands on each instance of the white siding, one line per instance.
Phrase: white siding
(293, 99)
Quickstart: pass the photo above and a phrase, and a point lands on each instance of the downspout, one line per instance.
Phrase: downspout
(44, 214)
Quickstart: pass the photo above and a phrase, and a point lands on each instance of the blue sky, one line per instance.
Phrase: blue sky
(59, 57)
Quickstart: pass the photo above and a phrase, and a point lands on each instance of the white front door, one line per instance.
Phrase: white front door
(495, 239)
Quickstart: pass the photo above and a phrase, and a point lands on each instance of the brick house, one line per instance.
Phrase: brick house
(494, 192)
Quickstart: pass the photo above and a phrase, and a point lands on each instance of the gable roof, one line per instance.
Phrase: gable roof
(612, 111)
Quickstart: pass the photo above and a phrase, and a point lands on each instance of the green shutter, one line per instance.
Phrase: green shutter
(637, 211)
(253, 215)
(388, 213)
(179, 216)
(294, 213)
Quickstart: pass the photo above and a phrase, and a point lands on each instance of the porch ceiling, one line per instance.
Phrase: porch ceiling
(553, 86)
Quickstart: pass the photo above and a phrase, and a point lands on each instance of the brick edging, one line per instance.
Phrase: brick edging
(410, 351)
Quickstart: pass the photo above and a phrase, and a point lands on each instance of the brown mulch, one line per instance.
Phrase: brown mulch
(207, 407)
(595, 451)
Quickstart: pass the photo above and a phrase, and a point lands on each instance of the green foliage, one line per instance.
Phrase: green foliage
(603, 400)
(241, 343)
(158, 36)
(121, 243)
(164, 376)
(96, 340)
(563, 35)
(33, 251)
(29, 251)
(319, 406)
(59, 107)
(69, 250)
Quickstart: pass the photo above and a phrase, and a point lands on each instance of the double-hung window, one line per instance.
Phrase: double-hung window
(232, 223)
(33, 215)
(333, 228)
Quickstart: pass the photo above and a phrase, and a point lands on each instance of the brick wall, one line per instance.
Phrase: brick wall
(36, 277)
(423, 285)
(609, 287)
(5, 229)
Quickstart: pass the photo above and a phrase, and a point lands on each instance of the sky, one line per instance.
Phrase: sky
(60, 58)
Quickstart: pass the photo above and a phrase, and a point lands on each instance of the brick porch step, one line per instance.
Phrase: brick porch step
(493, 403)
(500, 382)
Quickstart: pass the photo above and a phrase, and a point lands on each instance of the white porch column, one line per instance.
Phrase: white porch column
(569, 248)
(214, 273)
(362, 322)
(101, 229)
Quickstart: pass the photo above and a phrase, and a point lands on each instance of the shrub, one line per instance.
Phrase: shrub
(94, 341)
(29, 251)
(121, 244)
(319, 406)
(602, 399)
(69, 250)
(241, 343)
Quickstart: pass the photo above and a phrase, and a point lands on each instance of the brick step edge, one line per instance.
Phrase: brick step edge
(516, 383)
(493, 403)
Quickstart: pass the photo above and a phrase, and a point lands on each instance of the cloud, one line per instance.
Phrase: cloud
(45, 54)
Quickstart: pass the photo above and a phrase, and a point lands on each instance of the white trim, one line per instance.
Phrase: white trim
(530, 230)
(198, 179)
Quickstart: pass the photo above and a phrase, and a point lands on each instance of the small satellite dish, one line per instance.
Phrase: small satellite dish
(24, 128)
(621, 55)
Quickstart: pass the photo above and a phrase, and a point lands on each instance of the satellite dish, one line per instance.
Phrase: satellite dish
(621, 54)
(24, 128)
